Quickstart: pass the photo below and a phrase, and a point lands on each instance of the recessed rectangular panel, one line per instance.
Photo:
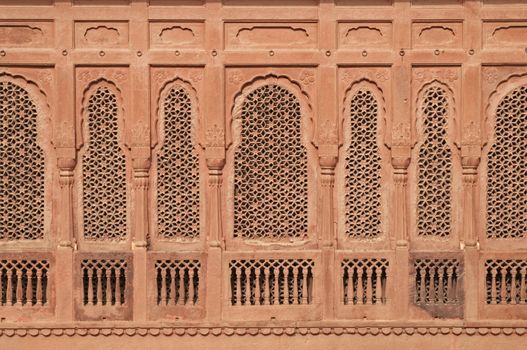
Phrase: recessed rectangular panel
(436, 2)
(364, 3)
(35, 34)
(101, 34)
(170, 34)
(437, 35)
(360, 35)
(270, 35)
(499, 34)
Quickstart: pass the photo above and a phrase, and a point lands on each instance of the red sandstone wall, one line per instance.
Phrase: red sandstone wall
(159, 217)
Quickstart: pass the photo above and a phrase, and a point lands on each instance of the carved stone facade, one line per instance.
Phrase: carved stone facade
(288, 174)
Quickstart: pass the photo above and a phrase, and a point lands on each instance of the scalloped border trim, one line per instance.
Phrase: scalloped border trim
(243, 331)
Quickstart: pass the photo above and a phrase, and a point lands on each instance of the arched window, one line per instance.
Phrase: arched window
(22, 167)
(363, 167)
(507, 168)
(178, 196)
(103, 169)
(434, 164)
(270, 167)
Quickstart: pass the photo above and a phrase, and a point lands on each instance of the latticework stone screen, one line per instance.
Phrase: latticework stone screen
(435, 165)
(22, 166)
(103, 170)
(178, 202)
(270, 167)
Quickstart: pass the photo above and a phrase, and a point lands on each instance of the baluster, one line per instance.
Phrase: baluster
(173, 277)
(522, 285)
(360, 286)
(40, 292)
(440, 289)
(266, 286)
(431, 286)
(238, 286)
(118, 285)
(181, 299)
(514, 271)
(29, 287)
(383, 287)
(9, 292)
(257, 286)
(248, 293)
(163, 286)
(295, 286)
(276, 286)
(345, 284)
(99, 286)
(422, 285)
(287, 274)
(1, 286)
(493, 289)
(450, 284)
(108, 294)
(305, 285)
(369, 294)
(503, 286)
(192, 291)
(90, 287)
(18, 295)
(378, 285)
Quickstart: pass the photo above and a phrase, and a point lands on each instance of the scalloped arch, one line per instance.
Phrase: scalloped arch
(348, 95)
(452, 113)
(503, 88)
(87, 93)
(41, 102)
(284, 81)
(193, 94)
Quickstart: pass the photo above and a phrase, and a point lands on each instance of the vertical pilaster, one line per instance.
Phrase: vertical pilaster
(214, 124)
(401, 156)
(139, 138)
(64, 141)
(470, 159)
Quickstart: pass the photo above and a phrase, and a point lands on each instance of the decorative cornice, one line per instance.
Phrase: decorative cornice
(253, 331)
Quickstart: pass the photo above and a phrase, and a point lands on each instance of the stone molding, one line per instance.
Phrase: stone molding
(121, 330)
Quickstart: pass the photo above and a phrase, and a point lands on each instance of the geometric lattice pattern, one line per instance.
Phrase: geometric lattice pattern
(506, 281)
(178, 171)
(177, 282)
(270, 167)
(507, 169)
(271, 282)
(363, 167)
(434, 166)
(364, 281)
(21, 167)
(24, 282)
(436, 281)
(103, 171)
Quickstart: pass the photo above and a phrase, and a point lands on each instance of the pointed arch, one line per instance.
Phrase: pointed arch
(436, 127)
(104, 172)
(177, 163)
(506, 159)
(361, 170)
(25, 132)
(270, 139)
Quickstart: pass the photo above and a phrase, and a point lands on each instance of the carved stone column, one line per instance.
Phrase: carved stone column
(401, 155)
(470, 159)
(215, 157)
(328, 156)
(64, 255)
(141, 167)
